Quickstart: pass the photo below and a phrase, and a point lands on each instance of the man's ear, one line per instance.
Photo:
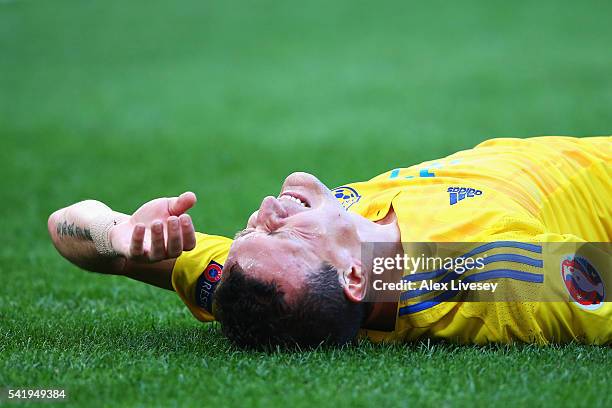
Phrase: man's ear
(354, 283)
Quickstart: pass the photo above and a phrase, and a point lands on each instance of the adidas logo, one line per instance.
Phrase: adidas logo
(457, 194)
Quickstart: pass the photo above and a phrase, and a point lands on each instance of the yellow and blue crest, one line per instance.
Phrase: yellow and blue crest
(347, 196)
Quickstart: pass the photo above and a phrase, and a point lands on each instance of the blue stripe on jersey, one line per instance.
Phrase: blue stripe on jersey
(490, 259)
(505, 244)
(494, 274)
(538, 263)
(498, 244)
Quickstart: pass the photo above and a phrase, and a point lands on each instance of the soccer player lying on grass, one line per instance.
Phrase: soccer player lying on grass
(295, 275)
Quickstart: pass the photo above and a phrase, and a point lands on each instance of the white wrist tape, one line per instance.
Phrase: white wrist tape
(100, 228)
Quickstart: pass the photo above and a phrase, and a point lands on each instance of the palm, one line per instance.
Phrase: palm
(164, 211)
(153, 210)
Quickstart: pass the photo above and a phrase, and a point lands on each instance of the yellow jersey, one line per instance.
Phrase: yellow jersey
(506, 197)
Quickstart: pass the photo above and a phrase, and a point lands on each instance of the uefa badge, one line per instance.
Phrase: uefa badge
(207, 284)
(582, 281)
(213, 271)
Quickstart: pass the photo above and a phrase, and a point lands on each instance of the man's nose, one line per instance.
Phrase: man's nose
(271, 214)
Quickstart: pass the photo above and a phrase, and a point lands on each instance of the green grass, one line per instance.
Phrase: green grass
(125, 101)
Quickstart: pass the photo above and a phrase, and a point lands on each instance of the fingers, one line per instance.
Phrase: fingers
(178, 237)
(175, 238)
(137, 242)
(179, 205)
(158, 249)
(188, 232)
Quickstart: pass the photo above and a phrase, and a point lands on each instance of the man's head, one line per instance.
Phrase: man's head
(294, 275)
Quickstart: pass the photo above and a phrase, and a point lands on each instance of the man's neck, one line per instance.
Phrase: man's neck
(384, 230)
(381, 315)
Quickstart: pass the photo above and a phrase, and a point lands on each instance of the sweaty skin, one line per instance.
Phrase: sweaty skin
(292, 234)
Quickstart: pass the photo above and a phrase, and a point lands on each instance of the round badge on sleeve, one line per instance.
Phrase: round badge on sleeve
(583, 282)
(212, 273)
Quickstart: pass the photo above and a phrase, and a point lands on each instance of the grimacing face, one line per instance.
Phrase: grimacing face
(292, 234)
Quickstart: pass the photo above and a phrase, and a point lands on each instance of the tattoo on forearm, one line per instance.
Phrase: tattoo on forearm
(70, 230)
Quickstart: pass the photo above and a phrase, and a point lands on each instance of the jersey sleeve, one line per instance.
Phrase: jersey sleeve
(542, 277)
(197, 273)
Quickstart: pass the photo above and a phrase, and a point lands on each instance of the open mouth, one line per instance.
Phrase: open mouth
(294, 197)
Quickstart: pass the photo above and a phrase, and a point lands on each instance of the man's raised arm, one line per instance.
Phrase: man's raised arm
(142, 246)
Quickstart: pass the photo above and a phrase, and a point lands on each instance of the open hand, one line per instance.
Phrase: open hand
(158, 230)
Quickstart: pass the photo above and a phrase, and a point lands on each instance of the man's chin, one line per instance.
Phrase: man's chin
(308, 186)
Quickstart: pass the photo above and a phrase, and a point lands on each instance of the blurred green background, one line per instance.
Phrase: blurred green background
(126, 101)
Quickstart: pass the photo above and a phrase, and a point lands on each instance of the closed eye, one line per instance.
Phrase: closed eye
(248, 231)
(243, 233)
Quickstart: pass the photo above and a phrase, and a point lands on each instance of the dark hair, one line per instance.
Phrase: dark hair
(255, 314)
